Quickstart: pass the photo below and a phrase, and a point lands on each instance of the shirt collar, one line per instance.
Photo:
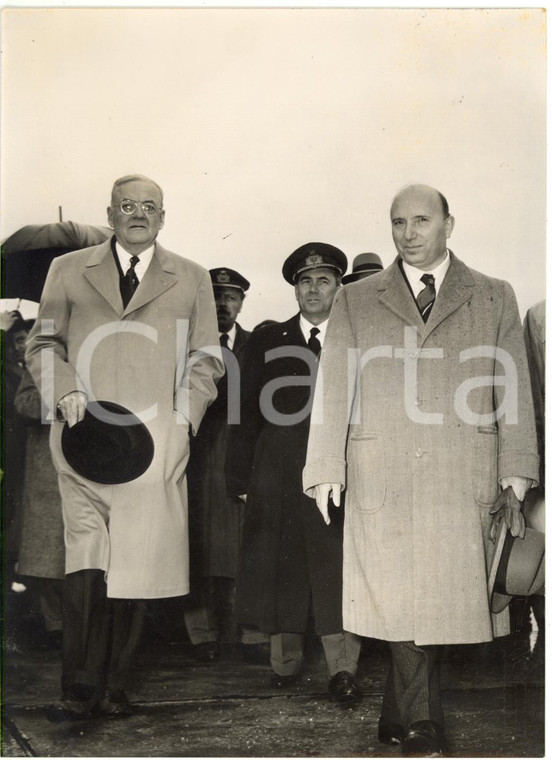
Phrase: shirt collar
(124, 259)
(413, 274)
(307, 326)
(231, 336)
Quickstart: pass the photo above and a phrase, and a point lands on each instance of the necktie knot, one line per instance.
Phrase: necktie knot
(313, 342)
(224, 340)
(129, 281)
(426, 297)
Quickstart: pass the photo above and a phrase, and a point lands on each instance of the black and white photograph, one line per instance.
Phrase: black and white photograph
(273, 329)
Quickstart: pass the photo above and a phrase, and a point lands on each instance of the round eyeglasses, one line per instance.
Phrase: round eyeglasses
(128, 207)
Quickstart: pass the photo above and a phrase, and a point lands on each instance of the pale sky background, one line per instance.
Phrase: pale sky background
(270, 128)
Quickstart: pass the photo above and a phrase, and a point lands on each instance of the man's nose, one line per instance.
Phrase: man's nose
(409, 231)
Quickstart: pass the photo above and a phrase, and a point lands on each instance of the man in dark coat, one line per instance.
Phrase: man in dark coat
(291, 564)
(215, 519)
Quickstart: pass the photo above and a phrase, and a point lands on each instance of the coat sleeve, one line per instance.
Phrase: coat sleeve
(204, 365)
(46, 355)
(535, 343)
(516, 428)
(242, 437)
(334, 397)
(28, 402)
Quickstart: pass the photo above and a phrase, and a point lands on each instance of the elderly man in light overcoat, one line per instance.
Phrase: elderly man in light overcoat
(128, 322)
(434, 418)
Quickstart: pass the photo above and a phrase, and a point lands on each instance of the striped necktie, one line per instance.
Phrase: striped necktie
(426, 297)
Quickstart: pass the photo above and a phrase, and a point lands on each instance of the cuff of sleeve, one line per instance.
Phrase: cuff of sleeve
(518, 463)
(323, 471)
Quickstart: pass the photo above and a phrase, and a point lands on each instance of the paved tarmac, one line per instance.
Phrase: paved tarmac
(493, 697)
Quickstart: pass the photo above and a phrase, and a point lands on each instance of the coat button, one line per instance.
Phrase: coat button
(418, 401)
(419, 453)
(413, 354)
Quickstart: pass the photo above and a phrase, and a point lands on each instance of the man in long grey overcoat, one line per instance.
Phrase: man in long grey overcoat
(424, 413)
(131, 323)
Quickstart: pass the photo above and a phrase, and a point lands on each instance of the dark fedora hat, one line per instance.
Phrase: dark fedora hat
(364, 265)
(517, 567)
(110, 445)
(313, 256)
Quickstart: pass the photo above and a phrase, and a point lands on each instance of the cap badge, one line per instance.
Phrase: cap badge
(314, 259)
(223, 276)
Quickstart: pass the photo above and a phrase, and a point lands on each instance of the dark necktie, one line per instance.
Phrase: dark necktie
(130, 281)
(314, 343)
(426, 297)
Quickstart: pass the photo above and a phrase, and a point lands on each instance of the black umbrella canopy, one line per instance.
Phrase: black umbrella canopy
(28, 253)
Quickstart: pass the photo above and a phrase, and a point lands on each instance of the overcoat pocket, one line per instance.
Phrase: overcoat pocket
(366, 472)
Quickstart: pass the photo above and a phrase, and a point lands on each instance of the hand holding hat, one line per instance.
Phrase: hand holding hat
(507, 506)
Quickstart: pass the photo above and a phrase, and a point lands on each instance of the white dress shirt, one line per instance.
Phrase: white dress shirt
(307, 326)
(124, 260)
(414, 275)
(231, 336)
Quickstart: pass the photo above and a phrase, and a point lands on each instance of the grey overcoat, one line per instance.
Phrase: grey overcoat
(145, 357)
(422, 457)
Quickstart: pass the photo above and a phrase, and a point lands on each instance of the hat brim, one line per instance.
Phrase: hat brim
(501, 566)
(111, 445)
(497, 601)
(354, 276)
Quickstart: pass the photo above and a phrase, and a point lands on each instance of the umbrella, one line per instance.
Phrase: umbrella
(28, 253)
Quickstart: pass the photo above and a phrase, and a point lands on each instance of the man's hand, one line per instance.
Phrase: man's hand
(322, 493)
(8, 319)
(72, 407)
(508, 506)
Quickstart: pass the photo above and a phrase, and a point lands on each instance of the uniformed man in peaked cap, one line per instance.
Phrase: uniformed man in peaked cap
(290, 565)
(215, 520)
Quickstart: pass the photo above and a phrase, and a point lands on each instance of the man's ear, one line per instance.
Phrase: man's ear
(449, 225)
(110, 217)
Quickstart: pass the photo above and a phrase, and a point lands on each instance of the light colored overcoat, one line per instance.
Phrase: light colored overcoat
(146, 357)
(423, 455)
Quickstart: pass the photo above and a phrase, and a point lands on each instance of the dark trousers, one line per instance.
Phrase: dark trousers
(412, 691)
(100, 635)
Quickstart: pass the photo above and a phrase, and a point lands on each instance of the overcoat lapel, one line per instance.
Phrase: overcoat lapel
(396, 295)
(159, 277)
(292, 332)
(102, 273)
(457, 288)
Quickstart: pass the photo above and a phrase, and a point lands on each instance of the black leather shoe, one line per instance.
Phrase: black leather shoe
(390, 732)
(116, 705)
(424, 739)
(70, 709)
(285, 682)
(344, 689)
(207, 651)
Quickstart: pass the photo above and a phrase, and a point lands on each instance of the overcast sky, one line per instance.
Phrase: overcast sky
(270, 128)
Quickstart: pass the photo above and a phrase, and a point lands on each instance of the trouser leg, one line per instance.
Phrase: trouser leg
(199, 616)
(342, 651)
(389, 708)
(127, 616)
(416, 681)
(86, 630)
(50, 599)
(286, 653)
